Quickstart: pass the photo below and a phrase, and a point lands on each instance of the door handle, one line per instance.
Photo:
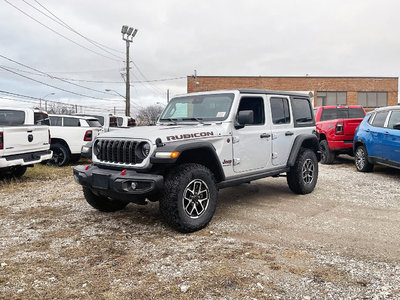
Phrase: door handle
(386, 132)
(265, 135)
(367, 130)
(288, 133)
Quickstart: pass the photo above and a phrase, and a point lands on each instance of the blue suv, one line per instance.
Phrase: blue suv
(377, 139)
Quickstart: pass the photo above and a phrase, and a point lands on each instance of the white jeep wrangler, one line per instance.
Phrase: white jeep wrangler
(204, 142)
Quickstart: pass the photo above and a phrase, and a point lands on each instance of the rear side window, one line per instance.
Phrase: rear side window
(93, 123)
(302, 112)
(55, 121)
(113, 122)
(394, 119)
(380, 118)
(71, 122)
(341, 113)
(41, 118)
(280, 110)
(12, 117)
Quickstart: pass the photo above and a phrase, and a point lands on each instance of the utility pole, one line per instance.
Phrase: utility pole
(195, 80)
(128, 33)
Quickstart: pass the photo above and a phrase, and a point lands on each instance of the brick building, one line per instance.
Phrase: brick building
(370, 92)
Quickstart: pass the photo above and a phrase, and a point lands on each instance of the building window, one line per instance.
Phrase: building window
(331, 98)
(372, 99)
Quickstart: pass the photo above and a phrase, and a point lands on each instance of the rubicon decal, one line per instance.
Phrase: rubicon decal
(189, 135)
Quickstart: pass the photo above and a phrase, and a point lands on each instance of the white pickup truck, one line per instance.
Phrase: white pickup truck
(24, 140)
(68, 135)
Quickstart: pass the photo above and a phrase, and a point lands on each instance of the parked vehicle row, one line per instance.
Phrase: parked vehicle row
(24, 141)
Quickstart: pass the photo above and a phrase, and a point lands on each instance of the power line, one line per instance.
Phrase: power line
(69, 27)
(98, 81)
(59, 34)
(51, 76)
(38, 99)
(55, 87)
(63, 24)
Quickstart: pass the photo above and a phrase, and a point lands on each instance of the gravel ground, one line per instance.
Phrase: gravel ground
(341, 241)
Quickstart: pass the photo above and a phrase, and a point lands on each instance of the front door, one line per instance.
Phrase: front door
(391, 142)
(252, 143)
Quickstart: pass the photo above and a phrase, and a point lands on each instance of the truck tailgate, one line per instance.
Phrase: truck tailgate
(350, 126)
(25, 139)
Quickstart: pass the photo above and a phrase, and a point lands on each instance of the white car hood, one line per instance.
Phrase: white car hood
(171, 133)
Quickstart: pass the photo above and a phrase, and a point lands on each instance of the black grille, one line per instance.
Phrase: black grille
(117, 151)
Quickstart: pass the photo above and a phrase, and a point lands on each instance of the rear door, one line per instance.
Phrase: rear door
(377, 133)
(282, 129)
(391, 142)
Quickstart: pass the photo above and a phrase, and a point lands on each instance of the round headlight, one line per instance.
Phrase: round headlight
(145, 149)
(96, 147)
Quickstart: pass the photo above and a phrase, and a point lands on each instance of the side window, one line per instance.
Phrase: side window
(394, 119)
(380, 118)
(256, 104)
(120, 121)
(71, 122)
(302, 112)
(55, 121)
(41, 118)
(280, 110)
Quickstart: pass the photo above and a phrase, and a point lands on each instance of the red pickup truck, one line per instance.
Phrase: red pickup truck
(335, 129)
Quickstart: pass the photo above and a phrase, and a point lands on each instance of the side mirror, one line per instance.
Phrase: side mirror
(245, 117)
(396, 126)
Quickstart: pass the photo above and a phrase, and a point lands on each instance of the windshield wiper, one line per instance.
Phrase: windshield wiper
(170, 120)
(200, 120)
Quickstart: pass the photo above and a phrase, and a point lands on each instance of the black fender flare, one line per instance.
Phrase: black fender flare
(310, 141)
(183, 147)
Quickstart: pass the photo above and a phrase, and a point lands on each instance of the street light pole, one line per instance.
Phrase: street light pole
(128, 33)
(45, 103)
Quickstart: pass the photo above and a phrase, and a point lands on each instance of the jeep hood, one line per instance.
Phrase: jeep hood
(167, 134)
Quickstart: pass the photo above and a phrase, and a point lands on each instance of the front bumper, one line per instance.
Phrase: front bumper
(117, 183)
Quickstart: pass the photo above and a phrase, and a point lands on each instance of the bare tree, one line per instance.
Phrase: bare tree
(63, 109)
(148, 115)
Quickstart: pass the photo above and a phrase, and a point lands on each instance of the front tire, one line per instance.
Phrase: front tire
(103, 203)
(61, 155)
(189, 198)
(361, 160)
(303, 176)
(327, 155)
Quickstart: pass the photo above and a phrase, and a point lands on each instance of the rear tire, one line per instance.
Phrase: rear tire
(361, 160)
(103, 203)
(18, 172)
(61, 155)
(303, 176)
(327, 155)
(189, 197)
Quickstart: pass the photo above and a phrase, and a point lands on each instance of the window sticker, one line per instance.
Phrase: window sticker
(220, 114)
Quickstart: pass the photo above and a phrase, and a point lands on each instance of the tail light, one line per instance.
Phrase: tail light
(49, 136)
(88, 136)
(1, 141)
(339, 127)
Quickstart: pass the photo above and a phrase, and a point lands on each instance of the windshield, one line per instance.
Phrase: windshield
(201, 107)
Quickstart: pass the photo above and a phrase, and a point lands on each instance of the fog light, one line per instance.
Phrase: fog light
(133, 185)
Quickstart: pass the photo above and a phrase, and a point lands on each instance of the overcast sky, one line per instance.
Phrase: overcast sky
(215, 37)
